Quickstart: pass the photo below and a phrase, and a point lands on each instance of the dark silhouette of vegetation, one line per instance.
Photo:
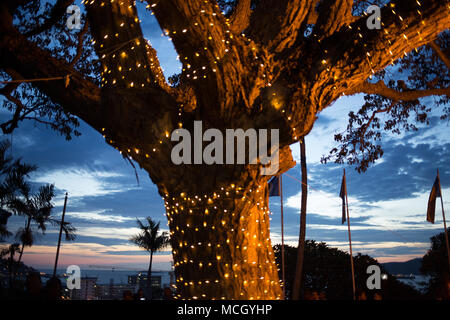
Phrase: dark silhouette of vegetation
(151, 240)
(435, 265)
(17, 198)
(12, 181)
(37, 212)
(327, 275)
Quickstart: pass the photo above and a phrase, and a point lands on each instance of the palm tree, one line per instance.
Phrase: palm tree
(16, 197)
(12, 180)
(37, 210)
(149, 240)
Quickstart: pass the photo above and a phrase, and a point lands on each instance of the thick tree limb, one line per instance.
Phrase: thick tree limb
(351, 56)
(333, 15)
(381, 89)
(25, 58)
(368, 51)
(240, 19)
(229, 67)
(194, 25)
(127, 59)
(277, 23)
(336, 65)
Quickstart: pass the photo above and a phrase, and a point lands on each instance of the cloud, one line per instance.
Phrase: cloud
(84, 254)
(99, 216)
(398, 214)
(406, 170)
(79, 182)
(108, 233)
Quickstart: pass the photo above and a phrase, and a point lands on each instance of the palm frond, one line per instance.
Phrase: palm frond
(149, 238)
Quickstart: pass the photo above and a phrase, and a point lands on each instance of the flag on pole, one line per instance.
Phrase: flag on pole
(274, 187)
(435, 193)
(342, 196)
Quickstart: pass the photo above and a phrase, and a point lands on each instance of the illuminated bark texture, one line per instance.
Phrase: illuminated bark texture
(253, 70)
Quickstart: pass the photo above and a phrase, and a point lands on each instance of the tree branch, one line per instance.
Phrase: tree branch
(434, 45)
(332, 16)
(80, 44)
(277, 23)
(315, 73)
(58, 10)
(229, 67)
(9, 126)
(127, 59)
(240, 19)
(349, 57)
(25, 58)
(381, 89)
(365, 126)
(10, 87)
(194, 25)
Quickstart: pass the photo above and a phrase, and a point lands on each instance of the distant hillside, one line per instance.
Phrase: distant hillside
(407, 267)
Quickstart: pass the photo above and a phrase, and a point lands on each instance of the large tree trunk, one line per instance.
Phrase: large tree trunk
(221, 243)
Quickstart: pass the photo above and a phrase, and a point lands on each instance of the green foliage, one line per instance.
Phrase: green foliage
(422, 69)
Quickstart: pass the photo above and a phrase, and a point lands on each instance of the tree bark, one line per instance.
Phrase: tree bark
(221, 243)
(301, 239)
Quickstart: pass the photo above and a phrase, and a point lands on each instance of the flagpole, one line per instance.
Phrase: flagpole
(443, 218)
(282, 235)
(350, 241)
(60, 233)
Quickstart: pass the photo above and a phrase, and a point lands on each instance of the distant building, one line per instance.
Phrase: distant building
(113, 291)
(87, 289)
(140, 280)
(92, 290)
